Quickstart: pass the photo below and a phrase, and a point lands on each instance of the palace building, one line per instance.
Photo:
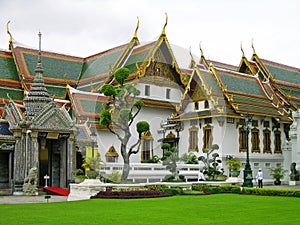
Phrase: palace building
(50, 105)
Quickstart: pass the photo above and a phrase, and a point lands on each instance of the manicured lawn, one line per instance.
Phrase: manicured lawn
(205, 209)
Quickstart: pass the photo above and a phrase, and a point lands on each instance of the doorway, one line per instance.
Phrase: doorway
(53, 162)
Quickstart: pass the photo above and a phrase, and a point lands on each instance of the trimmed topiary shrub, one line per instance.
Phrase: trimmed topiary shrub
(163, 189)
(130, 194)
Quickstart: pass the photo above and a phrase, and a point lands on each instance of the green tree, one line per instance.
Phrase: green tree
(119, 114)
(211, 163)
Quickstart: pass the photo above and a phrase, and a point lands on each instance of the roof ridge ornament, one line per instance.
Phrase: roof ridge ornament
(136, 29)
(164, 28)
(242, 49)
(193, 62)
(252, 45)
(202, 54)
(10, 36)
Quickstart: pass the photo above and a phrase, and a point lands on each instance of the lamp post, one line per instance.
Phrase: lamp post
(94, 140)
(247, 171)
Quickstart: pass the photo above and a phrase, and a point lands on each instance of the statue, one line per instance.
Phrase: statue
(294, 174)
(30, 182)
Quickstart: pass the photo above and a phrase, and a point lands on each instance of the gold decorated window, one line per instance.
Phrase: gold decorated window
(207, 137)
(267, 141)
(111, 155)
(255, 140)
(193, 139)
(277, 142)
(242, 140)
(146, 146)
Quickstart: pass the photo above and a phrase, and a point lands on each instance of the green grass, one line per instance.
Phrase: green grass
(205, 209)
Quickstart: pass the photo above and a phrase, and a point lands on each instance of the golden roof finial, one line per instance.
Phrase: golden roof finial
(137, 27)
(193, 63)
(253, 46)
(242, 49)
(201, 48)
(164, 29)
(8, 32)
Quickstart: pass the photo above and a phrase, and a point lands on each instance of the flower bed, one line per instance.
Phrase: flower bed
(130, 194)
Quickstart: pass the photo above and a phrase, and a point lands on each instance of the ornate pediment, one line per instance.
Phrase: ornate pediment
(13, 114)
(52, 118)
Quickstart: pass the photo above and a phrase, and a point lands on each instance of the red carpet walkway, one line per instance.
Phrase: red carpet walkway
(57, 191)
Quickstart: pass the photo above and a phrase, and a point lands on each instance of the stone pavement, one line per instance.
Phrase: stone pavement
(22, 199)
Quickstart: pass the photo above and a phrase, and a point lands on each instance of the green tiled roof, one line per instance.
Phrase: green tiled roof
(54, 68)
(252, 101)
(211, 82)
(136, 58)
(57, 91)
(15, 94)
(284, 75)
(258, 110)
(240, 84)
(91, 106)
(8, 70)
(100, 65)
(290, 91)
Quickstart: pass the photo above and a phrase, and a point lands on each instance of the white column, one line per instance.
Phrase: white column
(295, 139)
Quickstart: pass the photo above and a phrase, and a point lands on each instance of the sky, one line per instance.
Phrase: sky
(86, 27)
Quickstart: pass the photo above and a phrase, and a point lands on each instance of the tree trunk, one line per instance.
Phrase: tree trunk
(126, 168)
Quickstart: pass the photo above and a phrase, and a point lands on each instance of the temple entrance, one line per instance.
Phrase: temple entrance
(4, 169)
(53, 162)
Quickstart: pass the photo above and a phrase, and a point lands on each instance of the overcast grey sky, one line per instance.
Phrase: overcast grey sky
(86, 27)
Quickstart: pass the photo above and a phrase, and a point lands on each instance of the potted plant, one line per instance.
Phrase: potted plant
(234, 165)
(277, 173)
(79, 176)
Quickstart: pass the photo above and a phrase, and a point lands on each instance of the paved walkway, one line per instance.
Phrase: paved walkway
(55, 198)
(31, 199)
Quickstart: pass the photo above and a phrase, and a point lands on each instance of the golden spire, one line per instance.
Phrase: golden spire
(254, 53)
(10, 36)
(164, 29)
(242, 49)
(201, 49)
(192, 63)
(137, 27)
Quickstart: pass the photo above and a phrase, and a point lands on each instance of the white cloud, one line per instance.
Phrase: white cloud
(87, 27)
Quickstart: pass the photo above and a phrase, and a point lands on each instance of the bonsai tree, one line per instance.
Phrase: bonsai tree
(170, 160)
(154, 159)
(277, 173)
(234, 165)
(211, 164)
(189, 158)
(119, 114)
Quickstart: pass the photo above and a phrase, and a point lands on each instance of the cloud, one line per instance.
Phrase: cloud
(86, 27)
